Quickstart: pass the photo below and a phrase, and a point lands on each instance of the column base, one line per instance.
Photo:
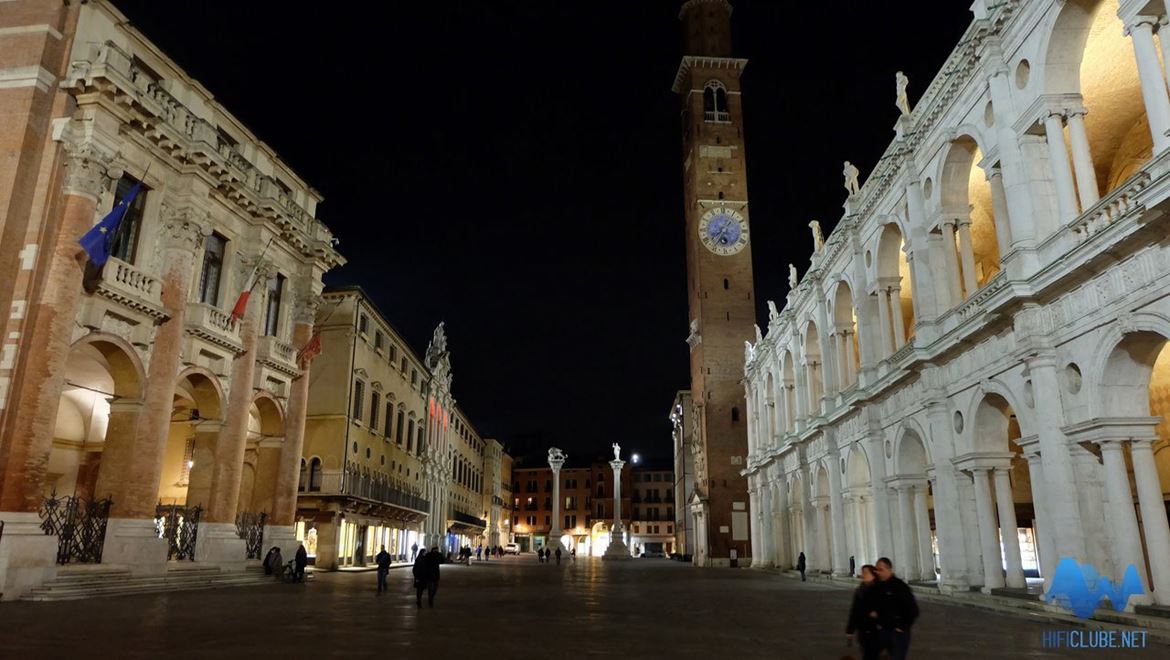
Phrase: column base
(134, 543)
(283, 537)
(954, 586)
(28, 556)
(617, 550)
(219, 544)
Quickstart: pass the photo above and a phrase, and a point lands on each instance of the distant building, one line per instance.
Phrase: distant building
(652, 520)
(586, 506)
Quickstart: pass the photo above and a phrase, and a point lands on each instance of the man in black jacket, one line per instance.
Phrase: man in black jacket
(383, 561)
(426, 575)
(893, 606)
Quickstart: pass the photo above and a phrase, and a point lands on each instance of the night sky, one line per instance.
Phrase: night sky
(513, 168)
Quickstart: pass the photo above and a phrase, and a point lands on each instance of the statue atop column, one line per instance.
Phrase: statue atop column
(818, 236)
(793, 278)
(555, 455)
(617, 452)
(851, 173)
(903, 102)
(773, 314)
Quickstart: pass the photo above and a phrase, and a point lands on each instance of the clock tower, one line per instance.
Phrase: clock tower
(719, 276)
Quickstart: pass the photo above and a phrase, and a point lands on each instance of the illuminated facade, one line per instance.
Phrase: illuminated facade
(132, 392)
(971, 376)
(587, 509)
(652, 517)
(361, 483)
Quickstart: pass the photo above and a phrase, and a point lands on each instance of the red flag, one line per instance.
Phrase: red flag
(311, 349)
(249, 284)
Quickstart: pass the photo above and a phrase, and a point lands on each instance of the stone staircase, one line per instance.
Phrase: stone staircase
(92, 581)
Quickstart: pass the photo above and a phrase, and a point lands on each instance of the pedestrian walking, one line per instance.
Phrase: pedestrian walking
(301, 560)
(540, 555)
(487, 553)
(860, 627)
(413, 552)
(893, 608)
(573, 553)
(479, 553)
(383, 561)
(426, 575)
(800, 564)
(558, 554)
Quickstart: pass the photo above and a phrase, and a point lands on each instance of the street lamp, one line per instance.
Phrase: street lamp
(636, 459)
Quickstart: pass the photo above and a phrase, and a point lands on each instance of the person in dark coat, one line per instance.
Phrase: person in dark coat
(383, 561)
(413, 551)
(891, 603)
(558, 553)
(273, 562)
(800, 564)
(301, 560)
(426, 575)
(861, 627)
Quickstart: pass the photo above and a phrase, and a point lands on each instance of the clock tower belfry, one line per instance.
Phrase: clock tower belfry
(719, 276)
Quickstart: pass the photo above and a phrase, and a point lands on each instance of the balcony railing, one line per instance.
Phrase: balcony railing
(717, 117)
(468, 519)
(126, 284)
(354, 485)
(209, 323)
(277, 354)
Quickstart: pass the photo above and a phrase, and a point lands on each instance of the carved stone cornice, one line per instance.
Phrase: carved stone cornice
(305, 306)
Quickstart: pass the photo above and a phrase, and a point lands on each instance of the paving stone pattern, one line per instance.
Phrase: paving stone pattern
(511, 608)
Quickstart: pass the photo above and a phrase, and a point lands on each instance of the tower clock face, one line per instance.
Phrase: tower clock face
(723, 230)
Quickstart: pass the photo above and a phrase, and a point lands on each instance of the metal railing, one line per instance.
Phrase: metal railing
(355, 485)
(179, 525)
(80, 526)
(250, 527)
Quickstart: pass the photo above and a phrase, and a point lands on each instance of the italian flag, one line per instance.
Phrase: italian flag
(249, 284)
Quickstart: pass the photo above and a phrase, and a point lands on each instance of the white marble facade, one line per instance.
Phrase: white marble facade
(978, 347)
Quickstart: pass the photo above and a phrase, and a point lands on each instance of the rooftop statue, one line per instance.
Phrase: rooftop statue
(818, 236)
(903, 103)
(851, 173)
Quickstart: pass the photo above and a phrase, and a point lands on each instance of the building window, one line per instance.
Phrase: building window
(363, 324)
(421, 437)
(304, 476)
(548, 486)
(393, 353)
(637, 513)
(413, 377)
(715, 102)
(670, 529)
(570, 504)
(214, 247)
(359, 395)
(600, 510)
(272, 313)
(404, 365)
(600, 490)
(388, 422)
(379, 340)
(410, 435)
(398, 426)
(126, 237)
(548, 503)
(375, 407)
(735, 413)
(315, 475)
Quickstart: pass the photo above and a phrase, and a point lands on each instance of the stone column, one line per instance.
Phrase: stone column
(1008, 528)
(950, 255)
(1062, 175)
(754, 520)
(1127, 541)
(1154, 522)
(1082, 160)
(218, 541)
(764, 559)
(50, 319)
(922, 527)
(882, 526)
(556, 459)
(887, 329)
(284, 508)
(837, 517)
(617, 548)
(999, 207)
(895, 302)
(1153, 84)
(988, 544)
(750, 411)
(783, 529)
(854, 510)
(808, 518)
(967, 255)
(907, 550)
(1045, 547)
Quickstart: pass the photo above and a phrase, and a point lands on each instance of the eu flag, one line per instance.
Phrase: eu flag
(97, 241)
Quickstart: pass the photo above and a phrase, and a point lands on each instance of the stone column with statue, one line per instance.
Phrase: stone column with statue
(617, 546)
(556, 459)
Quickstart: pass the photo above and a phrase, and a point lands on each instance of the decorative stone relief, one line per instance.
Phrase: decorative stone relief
(86, 169)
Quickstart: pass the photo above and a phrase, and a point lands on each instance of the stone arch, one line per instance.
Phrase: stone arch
(1086, 52)
(197, 411)
(910, 455)
(814, 382)
(965, 199)
(97, 414)
(269, 414)
(857, 468)
(895, 290)
(1004, 399)
(1117, 382)
(845, 333)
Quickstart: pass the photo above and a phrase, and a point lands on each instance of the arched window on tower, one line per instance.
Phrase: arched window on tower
(715, 102)
(735, 413)
(304, 476)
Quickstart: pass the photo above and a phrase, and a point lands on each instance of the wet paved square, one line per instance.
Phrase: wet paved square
(512, 608)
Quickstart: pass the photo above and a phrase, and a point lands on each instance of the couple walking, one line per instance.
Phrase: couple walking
(426, 572)
(882, 612)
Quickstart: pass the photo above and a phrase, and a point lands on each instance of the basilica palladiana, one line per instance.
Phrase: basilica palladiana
(969, 376)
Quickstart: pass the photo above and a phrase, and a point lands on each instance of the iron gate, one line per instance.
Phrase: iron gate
(80, 526)
(250, 527)
(179, 525)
